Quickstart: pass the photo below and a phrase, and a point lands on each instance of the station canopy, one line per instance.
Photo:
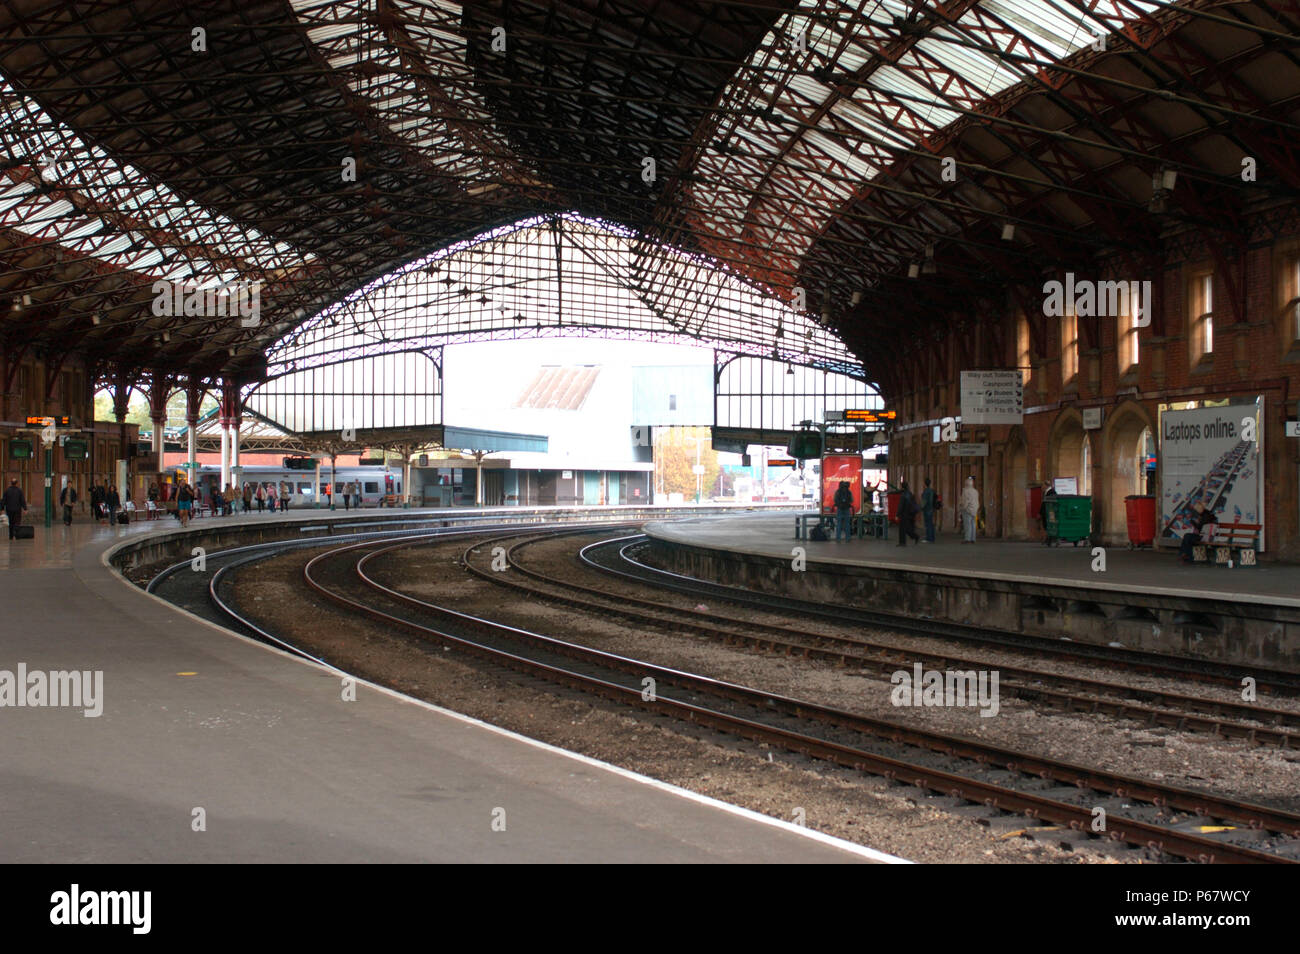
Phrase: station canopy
(886, 167)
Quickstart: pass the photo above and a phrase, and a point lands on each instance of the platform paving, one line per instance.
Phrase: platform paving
(194, 717)
(1149, 572)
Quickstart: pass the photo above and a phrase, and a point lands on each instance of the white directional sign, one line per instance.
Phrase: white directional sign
(1293, 428)
(968, 450)
(992, 397)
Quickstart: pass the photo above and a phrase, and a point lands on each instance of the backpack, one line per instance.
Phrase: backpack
(817, 533)
(938, 501)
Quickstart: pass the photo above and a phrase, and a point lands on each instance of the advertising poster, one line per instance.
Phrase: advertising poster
(1213, 454)
(837, 467)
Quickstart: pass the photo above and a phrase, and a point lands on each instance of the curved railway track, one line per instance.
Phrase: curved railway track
(1173, 820)
(1151, 707)
(613, 557)
(1179, 822)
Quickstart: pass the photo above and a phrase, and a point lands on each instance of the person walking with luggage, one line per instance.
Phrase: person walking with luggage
(843, 501)
(14, 505)
(67, 500)
(929, 501)
(112, 503)
(969, 510)
(907, 510)
(96, 502)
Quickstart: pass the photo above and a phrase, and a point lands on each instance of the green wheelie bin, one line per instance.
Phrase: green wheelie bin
(1069, 518)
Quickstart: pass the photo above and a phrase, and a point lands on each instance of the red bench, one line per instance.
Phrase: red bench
(1234, 544)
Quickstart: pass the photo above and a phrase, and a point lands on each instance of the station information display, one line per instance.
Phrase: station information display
(20, 449)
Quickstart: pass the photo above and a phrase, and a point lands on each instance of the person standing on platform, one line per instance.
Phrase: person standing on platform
(113, 503)
(270, 496)
(843, 501)
(969, 509)
(67, 500)
(248, 498)
(261, 498)
(286, 490)
(907, 510)
(96, 501)
(14, 505)
(927, 510)
(151, 501)
(184, 503)
(1042, 515)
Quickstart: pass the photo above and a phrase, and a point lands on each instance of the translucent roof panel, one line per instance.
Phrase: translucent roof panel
(857, 83)
(76, 195)
(505, 284)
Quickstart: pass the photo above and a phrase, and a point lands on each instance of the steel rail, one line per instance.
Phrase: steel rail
(1184, 844)
(1276, 680)
(887, 658)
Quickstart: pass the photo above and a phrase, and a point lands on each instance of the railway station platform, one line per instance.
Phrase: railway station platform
(211, 747)
(1142, 599)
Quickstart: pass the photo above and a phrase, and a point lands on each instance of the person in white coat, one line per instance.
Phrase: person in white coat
(969, 509)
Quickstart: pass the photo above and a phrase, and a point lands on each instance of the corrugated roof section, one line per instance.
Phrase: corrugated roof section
(558, 388)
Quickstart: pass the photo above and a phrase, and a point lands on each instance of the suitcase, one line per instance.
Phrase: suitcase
(124, 517)
(25, 532)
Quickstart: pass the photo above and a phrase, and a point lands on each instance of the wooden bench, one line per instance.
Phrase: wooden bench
(1235, 543)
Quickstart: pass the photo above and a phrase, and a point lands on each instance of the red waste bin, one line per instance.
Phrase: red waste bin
(1140, 512)
(1033, 501)
(891, 505)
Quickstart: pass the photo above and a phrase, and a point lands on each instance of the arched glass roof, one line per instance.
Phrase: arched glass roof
(553, 276)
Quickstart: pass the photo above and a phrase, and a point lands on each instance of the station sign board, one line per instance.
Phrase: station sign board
(20, 449)
(1293, 428)
(47, 421)
(968, 450)
(74, 449)
(992, 397)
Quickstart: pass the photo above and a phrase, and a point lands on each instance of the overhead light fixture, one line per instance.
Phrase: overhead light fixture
(1162, 187)
(1008, 232)
(928, 267)
(913, 270)
(789, 369)
(856, 299)
(95, 319)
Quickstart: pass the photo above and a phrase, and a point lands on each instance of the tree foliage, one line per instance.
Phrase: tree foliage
(675, 455)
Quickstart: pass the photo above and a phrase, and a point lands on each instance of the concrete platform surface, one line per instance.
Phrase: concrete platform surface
(200, 723)
(1156, 573)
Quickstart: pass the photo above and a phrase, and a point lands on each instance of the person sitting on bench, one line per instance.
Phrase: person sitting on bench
(1203, 527)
